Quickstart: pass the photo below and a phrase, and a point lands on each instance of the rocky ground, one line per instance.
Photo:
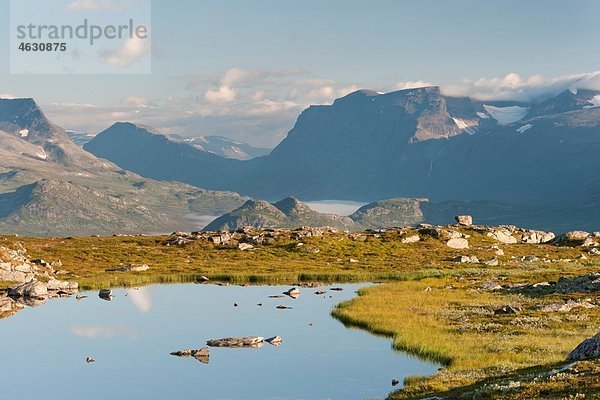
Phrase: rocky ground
(499, 307)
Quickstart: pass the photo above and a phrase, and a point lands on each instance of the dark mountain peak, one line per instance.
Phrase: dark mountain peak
(290, 205)
(130, 127)
(24, 118)
(566, 101)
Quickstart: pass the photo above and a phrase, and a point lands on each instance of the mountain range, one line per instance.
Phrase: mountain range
(535, 162)
(389, 213)
(218, 145)
(51, 186)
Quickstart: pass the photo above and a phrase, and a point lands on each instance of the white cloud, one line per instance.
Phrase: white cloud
(412, 85)
(270, 106)
(515, 87)
(104, 331)
(222, 95)
(140, 298)
(127, 54)
(138, 101)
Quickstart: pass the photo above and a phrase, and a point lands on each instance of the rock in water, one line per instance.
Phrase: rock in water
(589, 348)
(464, 220)
(105, 294)
(293, 293)
(275, 340)
(202, 355)
(32, 289)
(244, 341)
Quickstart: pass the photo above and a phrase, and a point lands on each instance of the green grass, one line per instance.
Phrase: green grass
(429, 306)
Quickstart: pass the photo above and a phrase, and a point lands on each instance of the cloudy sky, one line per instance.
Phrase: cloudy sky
(246, 69)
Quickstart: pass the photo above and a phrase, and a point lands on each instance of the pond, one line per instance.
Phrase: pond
(131, 337)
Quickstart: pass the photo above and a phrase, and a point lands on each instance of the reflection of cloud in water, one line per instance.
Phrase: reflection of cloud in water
(338, 207)
(140, 298)
(104, 331)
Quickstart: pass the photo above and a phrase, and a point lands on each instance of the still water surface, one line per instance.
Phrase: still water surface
(44, 349)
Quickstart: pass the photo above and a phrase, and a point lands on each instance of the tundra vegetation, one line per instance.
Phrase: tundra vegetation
(499, 318)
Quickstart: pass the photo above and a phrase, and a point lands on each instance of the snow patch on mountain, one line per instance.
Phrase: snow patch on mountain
(594, 102)
(24, 133)
(524, 128)
(482, 115)
(468, 126)
(506, 115)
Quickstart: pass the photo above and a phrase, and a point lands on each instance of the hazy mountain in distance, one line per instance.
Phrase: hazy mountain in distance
(224, 147)
(80, 138)
(419, 143)
(51, 186)
(142, 149)
(218, 145)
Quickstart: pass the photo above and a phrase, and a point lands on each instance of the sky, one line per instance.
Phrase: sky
(246, 69)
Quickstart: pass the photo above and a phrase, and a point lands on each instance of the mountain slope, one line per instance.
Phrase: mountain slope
(224, 147)
(287, 213)
(158, 157)
(50, 186)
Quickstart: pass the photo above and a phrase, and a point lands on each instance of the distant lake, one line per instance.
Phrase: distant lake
(338, 207)
(130, 337)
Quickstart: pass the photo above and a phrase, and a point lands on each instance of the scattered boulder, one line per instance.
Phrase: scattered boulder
(440, 233)
(493, 262)
(565, 307)
(578, 284)
(139, 268)
(506, 310)
(491, 286)
(594, 251)
(69, 287)
(293, 293)
(244, 341)
(589, 348)
(275, 340)
(502, 235)
(410, 239)
(458, 243)
(464, 220)
(572, 238)
(245, 246)
(465, 259)
(535, 237)
(32, 289)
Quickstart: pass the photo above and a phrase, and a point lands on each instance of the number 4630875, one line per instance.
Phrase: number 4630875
(42, 46)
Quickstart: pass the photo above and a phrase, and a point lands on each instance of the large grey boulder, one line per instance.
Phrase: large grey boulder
(502, 235)
(589, 348)
(464, 220)
(458, 243)
(32, 289)
(56, 285)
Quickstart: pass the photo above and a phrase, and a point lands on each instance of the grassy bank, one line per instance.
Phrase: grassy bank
(429, 306)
